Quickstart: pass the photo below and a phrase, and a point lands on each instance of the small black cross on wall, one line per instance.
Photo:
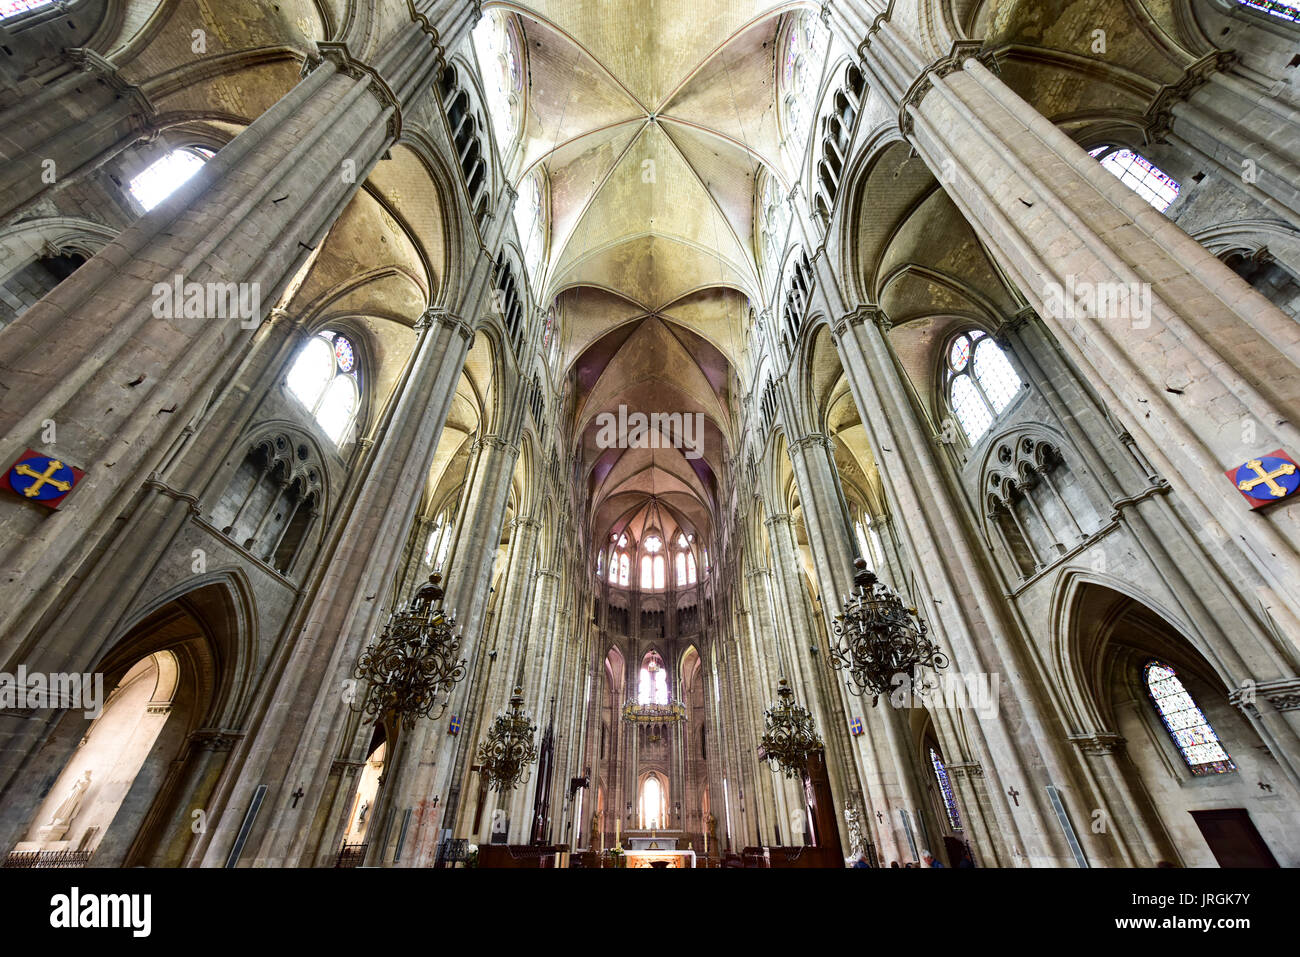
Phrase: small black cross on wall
(1014, 795)
(297, 795)
(880, 817)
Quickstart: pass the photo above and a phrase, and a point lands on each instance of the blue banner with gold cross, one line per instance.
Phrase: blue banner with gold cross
(1266, 479)
(42, 478)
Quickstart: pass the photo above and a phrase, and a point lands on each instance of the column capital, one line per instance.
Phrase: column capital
(811, 440)
(437, 315)
(1098, 742)
(1159, 116)
(961, 51)
(88, 61)
(965, 769)
(215, 739)
(337, 53)
(780, 518)
(1282, 693)
(862, 314)
(496, 443)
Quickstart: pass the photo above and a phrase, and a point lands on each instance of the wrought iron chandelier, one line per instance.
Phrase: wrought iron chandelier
(877, 638)
(652, 711)
(508, 749)
(789, 735)
(412, 661)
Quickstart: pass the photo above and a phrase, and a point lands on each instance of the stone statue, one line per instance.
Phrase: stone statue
(65, 812)
(362, 812)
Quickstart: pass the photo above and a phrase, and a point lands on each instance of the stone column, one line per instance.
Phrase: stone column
(300, 725)
(71, 126)
(1236, 126)
(250, 216)
(435, 763)
(1196, 353)
(881, 753)
(962, 609)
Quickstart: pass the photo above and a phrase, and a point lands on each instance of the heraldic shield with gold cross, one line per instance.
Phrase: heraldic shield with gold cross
(42, 478)
(1266, 479)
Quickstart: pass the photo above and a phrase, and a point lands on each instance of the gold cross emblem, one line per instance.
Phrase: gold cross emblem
(1266, 478)
(43, 479)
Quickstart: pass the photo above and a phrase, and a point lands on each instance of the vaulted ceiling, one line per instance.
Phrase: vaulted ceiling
(652, 122)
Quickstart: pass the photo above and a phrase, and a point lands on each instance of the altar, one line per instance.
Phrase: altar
(654, 848)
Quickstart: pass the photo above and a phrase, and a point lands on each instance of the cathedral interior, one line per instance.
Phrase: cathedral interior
(599, 433)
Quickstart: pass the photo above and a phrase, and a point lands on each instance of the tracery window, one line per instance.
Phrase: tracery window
(685, 562)
(801, 66)
(945, 788)
(530, 221)
(652, 684)
(652, 803)
(619, 562)
(981, 382)
(1185, 722)
(497, 49)
(1140, 175)
(773, 226)
(324, 379)
(653, 564)
(1283, 9)
(164, 176)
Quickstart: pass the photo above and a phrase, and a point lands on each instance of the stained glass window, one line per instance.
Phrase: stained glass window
(801, 67)
(431, 544)
(1140, 175)
(623, 568)
(1283, 9)
(1185, 721)
(498, 60)
(530, 221)
(981, 382)
(945, 787)
(9, 8)
(324, 379)
(164, 176)
(774, 227)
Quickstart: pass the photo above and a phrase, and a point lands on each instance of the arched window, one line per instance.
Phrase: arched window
(530, 221)
(652, 803)
(600, 564)
(1185, 722)
(653, 565)
(652, 684)
(801, 69)
(324, 379)
(945, 788)
(623, 569)
(430, 546)
(163, 177)
(981, 382)
(1282, 9)
(11, 8)
(773, 226)
(685, 562)
(1140, 175)
(497, 49)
